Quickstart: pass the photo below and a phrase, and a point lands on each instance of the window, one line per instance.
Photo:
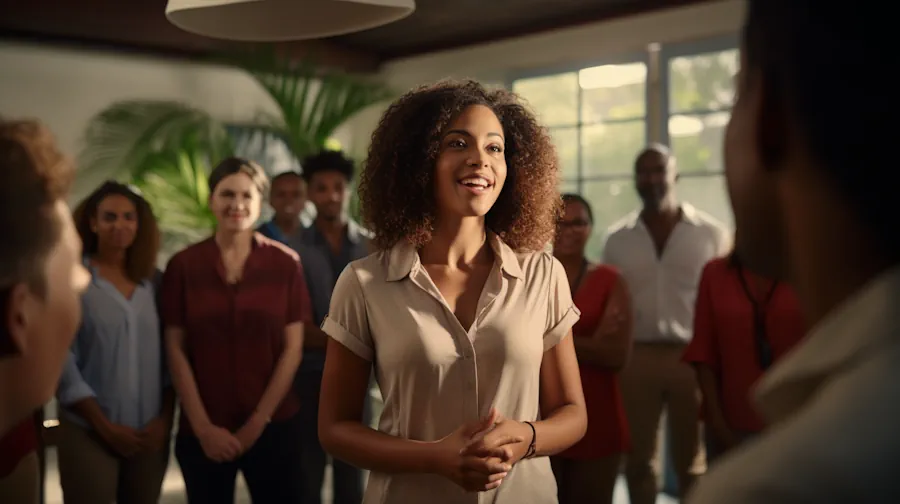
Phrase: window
(699, 95)
(598, 117)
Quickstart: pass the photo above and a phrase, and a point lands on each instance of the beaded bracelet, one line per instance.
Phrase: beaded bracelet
(532, 448)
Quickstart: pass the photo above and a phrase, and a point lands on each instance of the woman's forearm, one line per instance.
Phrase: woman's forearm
(367, 448)
(283, 377)
(183, 379)
(560, 430)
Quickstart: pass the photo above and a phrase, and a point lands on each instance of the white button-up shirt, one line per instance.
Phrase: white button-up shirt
(664, 287)
(832, 405)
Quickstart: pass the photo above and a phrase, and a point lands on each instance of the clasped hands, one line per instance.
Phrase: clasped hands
(477, 456)
(128, 442)
(221, 445)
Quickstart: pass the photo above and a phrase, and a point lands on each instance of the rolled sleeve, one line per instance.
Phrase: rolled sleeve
(347, 321)
(72, 387)
(562, 313)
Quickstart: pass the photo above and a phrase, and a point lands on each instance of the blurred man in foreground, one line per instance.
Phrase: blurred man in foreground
(41, 278)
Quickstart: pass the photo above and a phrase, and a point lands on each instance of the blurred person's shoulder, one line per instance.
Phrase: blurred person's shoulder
(832, 405)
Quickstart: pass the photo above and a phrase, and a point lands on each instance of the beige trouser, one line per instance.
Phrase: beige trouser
(586, 481)
(656, 378)
(22, 486)
(90, 473)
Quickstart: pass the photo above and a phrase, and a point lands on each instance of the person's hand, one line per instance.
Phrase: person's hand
(509, 435)
(155, 436)
(250, 432)
(218, 444)
(121, 439)
(474, 473)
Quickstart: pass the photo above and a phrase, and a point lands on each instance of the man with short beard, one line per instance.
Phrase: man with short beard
(326, 248)
(661, 250)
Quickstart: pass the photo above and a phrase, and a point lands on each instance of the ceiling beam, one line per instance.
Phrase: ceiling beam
(633, 8)
(140, 26)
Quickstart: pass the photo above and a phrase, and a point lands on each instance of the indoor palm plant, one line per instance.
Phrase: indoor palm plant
(166, 148)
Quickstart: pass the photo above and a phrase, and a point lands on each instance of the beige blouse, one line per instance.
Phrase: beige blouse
(435, 376)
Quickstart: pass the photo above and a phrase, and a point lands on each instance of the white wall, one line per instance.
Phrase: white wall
(64, 88)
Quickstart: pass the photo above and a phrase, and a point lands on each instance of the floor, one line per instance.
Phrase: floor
(173, 487)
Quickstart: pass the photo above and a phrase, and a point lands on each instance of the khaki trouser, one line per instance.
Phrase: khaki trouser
(90, 473)
(586, 481)
(656, 378)
(22, 486)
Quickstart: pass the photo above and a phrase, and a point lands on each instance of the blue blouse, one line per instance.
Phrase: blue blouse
(117, 356)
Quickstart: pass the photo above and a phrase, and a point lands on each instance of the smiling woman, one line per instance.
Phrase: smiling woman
(116, 400)
(463, 321)
(234, 294)
(405, 148)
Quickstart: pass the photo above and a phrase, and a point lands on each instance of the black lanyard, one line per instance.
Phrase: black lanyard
(763, 347)
(577, 284)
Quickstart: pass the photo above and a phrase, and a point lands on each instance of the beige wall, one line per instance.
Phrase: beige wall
(66, 87)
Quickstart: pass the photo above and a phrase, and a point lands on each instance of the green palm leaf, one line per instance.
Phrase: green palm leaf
(175, 184)
(120, 138)
(312, 103)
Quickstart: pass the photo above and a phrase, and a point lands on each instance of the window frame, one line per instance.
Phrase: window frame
(576, 66)
(667, 53)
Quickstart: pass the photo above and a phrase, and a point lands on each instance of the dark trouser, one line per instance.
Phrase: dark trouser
(347, 481)
(271, 469)
(590, 481)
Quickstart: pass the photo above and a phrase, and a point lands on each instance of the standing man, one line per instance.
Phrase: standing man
(41, 280)
(325, 248)
(814, 198)
(661, 251)
(287, 196)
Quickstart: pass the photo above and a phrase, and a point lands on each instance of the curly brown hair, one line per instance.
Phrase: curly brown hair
(140, 260)
(396, 188)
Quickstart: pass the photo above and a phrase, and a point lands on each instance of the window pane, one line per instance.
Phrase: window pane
(568, 186)
(566, 142)
(610, 149)
(554, 98)
(610, 200)
(697, 141)
(707, 193)
(613, 92)
(702, 82)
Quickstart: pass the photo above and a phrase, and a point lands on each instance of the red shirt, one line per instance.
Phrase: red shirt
(16, 445)
(234, 334)
(724, 336)
(607, 432)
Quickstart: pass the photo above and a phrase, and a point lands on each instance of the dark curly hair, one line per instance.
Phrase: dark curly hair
(396, 187)
(327, 160)
(140, 261)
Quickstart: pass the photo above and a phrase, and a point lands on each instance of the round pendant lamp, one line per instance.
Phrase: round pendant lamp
(282, 20)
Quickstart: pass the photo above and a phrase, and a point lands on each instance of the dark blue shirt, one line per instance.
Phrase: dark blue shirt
(322, 269)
